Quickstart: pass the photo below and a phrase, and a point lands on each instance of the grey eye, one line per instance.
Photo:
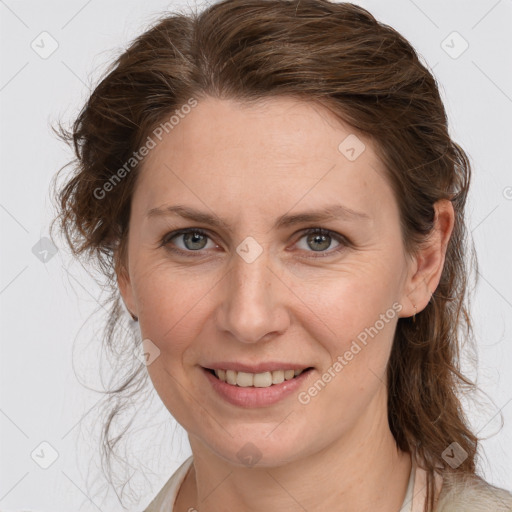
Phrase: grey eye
(319, 240)
(192, 240)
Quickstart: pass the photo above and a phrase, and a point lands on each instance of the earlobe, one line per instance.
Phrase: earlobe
(125, 290)
(429, 260)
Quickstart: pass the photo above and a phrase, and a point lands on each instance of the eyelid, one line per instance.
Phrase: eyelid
(341, 239)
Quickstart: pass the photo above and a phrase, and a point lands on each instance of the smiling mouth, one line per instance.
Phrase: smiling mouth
(257, 380)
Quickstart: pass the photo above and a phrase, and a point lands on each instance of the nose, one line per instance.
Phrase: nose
(253, 306)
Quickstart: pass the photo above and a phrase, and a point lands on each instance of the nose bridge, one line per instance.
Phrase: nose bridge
(252, 308)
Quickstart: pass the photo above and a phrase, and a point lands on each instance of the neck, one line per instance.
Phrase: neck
(362, 471)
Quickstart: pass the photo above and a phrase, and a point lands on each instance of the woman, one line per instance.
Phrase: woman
(271, 189)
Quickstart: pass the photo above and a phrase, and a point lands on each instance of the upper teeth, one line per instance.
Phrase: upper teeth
(258, 380)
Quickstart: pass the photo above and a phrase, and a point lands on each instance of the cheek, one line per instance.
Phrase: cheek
(359, 315)
(172, 317)
(354, 300)
(358, 342)
(171, 305)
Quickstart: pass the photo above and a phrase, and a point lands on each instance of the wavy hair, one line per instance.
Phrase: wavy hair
(339, 56)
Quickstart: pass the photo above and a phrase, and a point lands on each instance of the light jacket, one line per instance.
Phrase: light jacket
(458, 493)
(472, 494)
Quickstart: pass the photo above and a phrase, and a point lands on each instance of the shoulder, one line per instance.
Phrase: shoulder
(164, 500)
(470, 493)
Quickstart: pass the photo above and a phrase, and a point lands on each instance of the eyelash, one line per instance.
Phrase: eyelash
(344, 242)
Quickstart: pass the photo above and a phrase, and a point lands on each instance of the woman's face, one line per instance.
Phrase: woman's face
(257, 288)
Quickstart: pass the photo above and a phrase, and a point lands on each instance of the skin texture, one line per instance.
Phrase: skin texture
(299, 301)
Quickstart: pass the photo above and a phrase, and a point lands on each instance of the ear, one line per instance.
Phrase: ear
(427, 265)
(125, 286)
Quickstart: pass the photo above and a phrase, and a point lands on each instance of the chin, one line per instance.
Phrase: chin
(255, 448)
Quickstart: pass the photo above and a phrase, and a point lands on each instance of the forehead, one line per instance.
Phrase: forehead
(277, 152)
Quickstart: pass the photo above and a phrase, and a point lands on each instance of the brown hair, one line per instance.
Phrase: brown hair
(367, 74)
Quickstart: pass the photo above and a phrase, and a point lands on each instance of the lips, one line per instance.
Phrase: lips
(249, 397)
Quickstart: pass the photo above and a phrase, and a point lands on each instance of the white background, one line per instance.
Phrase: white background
(45, 305)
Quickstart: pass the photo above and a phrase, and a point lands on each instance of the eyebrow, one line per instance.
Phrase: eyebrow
(331, 212)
